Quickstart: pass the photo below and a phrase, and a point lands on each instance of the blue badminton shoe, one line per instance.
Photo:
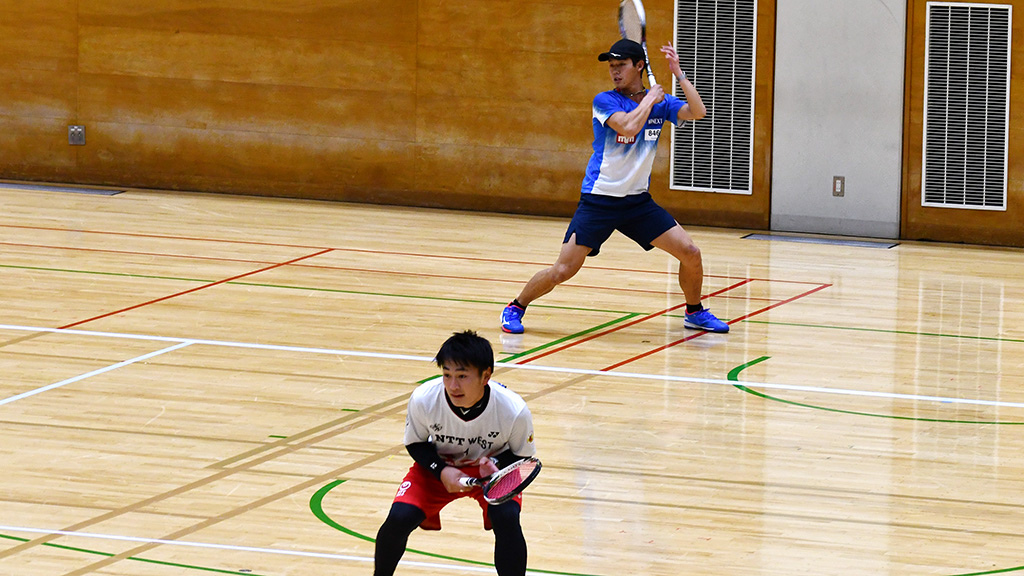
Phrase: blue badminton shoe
(704, 320)
(512, 319)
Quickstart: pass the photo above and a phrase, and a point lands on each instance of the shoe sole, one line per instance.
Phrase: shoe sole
(507, 331)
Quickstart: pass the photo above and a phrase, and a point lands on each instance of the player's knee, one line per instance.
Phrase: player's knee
(690, 254)
(563, 272)
(401, 521)
(504, 517)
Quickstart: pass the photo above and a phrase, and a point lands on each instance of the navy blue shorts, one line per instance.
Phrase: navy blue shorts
(637, 216)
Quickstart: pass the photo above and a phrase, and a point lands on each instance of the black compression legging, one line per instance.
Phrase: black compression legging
(509, 543)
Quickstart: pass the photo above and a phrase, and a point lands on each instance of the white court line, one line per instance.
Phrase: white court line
(327, 555)
(636, 375)
(94, 373)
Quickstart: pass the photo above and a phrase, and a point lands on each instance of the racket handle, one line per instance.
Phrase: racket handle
(469, 482)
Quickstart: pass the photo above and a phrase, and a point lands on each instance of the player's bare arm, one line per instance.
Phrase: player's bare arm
(631, 123)
(694, 108)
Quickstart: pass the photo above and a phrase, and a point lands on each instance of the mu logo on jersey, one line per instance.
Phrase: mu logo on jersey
(650, 135)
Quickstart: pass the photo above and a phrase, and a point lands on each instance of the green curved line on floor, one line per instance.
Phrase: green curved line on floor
(135, 558)
(316, 505)
(1000, 571)
(734, 376)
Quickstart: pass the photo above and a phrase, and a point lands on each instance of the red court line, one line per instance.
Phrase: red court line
(189, 291)
(747, 298)
(626, 325)
(328, 267)
(368, 251)
(731, 322)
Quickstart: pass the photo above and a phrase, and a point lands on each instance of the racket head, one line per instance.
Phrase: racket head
(511, 480)
(633, 26)
(633, 21)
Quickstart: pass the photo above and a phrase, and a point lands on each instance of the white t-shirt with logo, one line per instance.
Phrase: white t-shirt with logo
(621, 166)
(505, 424)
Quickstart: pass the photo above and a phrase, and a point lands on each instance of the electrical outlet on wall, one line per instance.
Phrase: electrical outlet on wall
(76, 135)
(839, 185)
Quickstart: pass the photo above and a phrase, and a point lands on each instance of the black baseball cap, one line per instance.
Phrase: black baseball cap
(624, 50)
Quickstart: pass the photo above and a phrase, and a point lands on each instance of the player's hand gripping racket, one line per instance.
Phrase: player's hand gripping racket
(504, 484)
(633, 26)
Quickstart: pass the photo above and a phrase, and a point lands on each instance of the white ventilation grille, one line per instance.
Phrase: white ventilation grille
(966, 106)
(715, 40)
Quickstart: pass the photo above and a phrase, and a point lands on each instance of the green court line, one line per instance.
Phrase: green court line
(416, 296)
(306, 288)
(135, 558)
(734, 376)
(624, 315)
(572, 336)
(316, 505)
(884, 331)
(1000, 571)
(98, 273)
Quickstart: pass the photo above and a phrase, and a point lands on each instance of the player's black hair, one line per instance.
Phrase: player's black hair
(635, 59)
(466, 349)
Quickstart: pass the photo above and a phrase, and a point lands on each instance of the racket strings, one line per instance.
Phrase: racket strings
(630, 25)
(508, 483)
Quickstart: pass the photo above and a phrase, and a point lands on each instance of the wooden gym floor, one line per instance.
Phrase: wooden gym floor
(196, 384)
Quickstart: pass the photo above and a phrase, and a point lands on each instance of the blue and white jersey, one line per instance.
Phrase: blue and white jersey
(621, 166)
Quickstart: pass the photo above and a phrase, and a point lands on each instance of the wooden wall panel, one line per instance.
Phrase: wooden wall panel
(369, 24)
(498, 123)
(235, 161)
(38, 62)
(39, 35)
(519, 180)
(33, 93)
(476, 104)
(159, 102)
(36, 148)
(241, 59)
(36, 107)
(268, 99)
(549, 27)
(504, 92)
(955, 225)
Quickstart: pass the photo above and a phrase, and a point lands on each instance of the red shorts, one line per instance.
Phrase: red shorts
(426, 492)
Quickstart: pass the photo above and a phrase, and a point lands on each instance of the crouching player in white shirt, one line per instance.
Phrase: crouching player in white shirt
(459, 425)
